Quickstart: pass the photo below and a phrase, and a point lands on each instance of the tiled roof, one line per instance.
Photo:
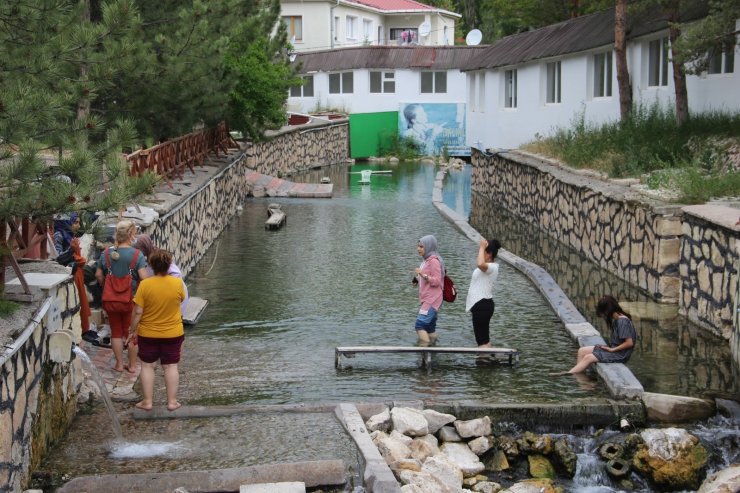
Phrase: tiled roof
(387, 57)
(575, 35)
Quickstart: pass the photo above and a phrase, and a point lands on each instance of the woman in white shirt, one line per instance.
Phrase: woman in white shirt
(480, 293)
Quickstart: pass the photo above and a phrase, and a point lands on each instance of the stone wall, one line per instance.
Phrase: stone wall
(38, 395)
(298, 148)
(636, 239)
(684, 255)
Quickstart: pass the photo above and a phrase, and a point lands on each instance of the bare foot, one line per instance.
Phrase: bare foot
(174, 406)
(559, 373)
(143, 407)
(119, 370)
(129, 369)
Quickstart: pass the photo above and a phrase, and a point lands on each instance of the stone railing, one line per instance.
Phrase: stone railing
(684, 255)
(38, 382)
(292, 149)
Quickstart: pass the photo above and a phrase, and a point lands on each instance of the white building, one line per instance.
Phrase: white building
(533, 82)
(329, 24)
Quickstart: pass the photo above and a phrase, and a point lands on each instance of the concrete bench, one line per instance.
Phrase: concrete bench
(509, 355)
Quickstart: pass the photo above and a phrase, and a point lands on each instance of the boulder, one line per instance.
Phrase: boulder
(509, 446)
(448, 434)
(533, 486)
(480, 445)
(724, 481)
(444, 470)
(392, 450)
(564, 458)
(405, 465)
(532, 443)
(426, 482)
(461, 455)
(664, 408)
(496, 461)
(437, 420)
(540, 467)
(486, 487)
(405, 439)
(421, 449)
(409, 421)
(474, 428)
(411, 488)
(380, 421)
(672, 458)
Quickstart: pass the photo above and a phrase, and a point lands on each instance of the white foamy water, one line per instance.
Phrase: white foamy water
(143, 450)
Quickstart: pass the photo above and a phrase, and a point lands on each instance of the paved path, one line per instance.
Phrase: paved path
(262, 185)
(120, 386)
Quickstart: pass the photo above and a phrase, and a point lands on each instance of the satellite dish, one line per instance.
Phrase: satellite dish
(292, 41)
(474, 37)
(291, 57)
(424, 29)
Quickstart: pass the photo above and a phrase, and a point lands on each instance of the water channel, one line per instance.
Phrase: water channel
(338, 273)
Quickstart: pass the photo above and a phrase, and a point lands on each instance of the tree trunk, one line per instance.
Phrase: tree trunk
(83, 105)
(679, 73)
(620, 49)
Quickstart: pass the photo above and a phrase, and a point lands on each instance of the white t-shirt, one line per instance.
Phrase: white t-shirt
(481, 285)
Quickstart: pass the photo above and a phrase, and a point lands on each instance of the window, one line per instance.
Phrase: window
(382, 82)
(336, 28)
(434, 82)
(367, 29)
(482, 92)
(658, 62)
(723, 62)
(603, 75)
(445, 36)
(341, 83)
(351, 27)
(305, 90)
(553, 83)
(295, 26)
(471, 91)
(404, 35)
(510, 89)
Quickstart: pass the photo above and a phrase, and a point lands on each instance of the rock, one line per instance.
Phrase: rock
(392, 450)
(480, 445)
(487, 487)
(564, 458)
(474, 427)
(444, 470)
(409, 421)
(540, 467)
(461, 455)
(426, 482)
(411, 488)
(509, 446)
(448, 434)
(533, 486)
(724, 481)
(405, 465)
(664, 408)
(422, 449)
(380, 421)
(437, 420)
(496, 461)
(406, 440)
(671, 458)
(532, 443)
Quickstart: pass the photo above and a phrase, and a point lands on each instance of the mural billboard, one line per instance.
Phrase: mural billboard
(435, 127)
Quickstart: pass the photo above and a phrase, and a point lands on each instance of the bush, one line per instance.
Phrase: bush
(404, 148)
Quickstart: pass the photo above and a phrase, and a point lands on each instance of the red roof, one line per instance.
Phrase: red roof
(395, 5)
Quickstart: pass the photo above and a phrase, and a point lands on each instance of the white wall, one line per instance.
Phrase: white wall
(315, 24)
(408, 90)
(499, 127)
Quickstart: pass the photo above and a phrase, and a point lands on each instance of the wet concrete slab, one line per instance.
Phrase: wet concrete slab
(120, 385)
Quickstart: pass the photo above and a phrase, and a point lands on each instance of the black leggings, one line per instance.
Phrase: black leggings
(482, 313)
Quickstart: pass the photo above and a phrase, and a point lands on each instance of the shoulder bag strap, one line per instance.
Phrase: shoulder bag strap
(132, 266)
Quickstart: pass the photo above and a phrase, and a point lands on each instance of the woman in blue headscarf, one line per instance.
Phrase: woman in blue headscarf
(65, 228)
(429, 276)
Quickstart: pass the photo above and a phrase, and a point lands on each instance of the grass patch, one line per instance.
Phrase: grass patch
(404, 148)
(693, 159)
(7, 308)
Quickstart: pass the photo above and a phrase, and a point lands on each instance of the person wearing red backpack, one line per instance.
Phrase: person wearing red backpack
(429, 276)
(121, 267)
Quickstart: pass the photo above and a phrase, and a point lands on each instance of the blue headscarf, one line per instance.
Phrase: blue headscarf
(429, 242)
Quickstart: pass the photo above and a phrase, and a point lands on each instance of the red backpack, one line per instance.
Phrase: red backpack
(117, 290)
(449, 291)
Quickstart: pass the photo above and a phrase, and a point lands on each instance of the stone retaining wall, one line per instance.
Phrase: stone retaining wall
(38, 396)
(298, 148)
(675, 255)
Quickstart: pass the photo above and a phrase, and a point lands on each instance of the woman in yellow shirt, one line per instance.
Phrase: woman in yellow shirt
(157, 329)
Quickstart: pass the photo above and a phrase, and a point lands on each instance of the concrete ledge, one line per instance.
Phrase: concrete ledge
(377, 476)
(161, 412)
(620, 381)
(313, 474)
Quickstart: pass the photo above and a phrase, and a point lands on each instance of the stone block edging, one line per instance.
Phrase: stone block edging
(619, 380)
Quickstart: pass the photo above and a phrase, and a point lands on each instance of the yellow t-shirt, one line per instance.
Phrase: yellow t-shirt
(160, 297)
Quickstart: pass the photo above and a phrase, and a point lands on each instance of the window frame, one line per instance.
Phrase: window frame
(437, 78)
(290, 24)
(385, 77)
(725, 57)
(510, 88)
(657, 69)
(553, 82)
(350, 27)
(343, 78)
(302, 88)
(603, 73)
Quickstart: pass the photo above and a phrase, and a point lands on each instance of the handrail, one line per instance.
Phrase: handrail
(170, 159)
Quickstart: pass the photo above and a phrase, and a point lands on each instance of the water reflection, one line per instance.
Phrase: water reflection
(673, 355)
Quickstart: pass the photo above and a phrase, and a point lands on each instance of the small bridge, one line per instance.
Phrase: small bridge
(498, 353)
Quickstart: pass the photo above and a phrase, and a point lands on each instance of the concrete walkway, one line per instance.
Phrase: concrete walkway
(266, 185)
(120, 385)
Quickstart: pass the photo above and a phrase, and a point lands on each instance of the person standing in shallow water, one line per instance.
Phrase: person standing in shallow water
(429, 276)
(622, 340)
(479, 301)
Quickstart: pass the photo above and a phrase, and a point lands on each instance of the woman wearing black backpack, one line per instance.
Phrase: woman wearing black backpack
(119, 265)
